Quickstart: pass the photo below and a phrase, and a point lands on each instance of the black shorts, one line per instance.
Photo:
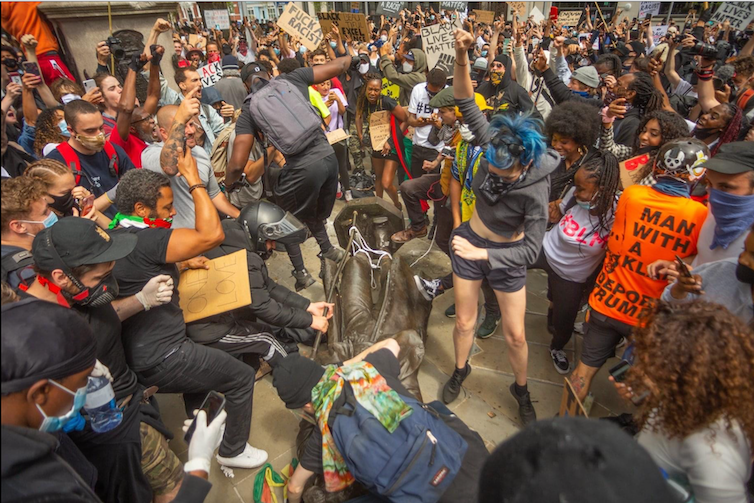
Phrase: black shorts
(508, 280)
(392, 156)
(601, 336)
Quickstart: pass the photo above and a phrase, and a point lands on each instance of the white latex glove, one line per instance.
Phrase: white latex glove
(205, 441)
(157, 291)
(101, 370)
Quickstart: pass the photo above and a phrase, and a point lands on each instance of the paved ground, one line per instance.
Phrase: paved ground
(485, 403)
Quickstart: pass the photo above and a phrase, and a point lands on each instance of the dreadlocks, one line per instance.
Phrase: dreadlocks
(603, 168)
(612, 62)
(730, 133)
(648, 99)
(672, 126)
(361, 101)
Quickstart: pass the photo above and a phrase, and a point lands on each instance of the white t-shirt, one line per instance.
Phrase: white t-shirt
(572, 247)
(716, 463)
(419, 106)
(336, 121)
(707, 232)
(480, 41)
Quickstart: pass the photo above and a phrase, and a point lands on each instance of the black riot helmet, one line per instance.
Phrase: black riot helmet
(263, 221)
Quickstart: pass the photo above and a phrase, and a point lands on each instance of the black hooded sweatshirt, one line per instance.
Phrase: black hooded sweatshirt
(507, 96)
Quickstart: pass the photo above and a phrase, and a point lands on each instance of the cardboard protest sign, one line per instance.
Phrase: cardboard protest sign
(658, 32)
(519, 7)
(630, 165)
(300, 24)
(390, 89)
(450, 5)
(570, 405)
(739, 14)
(336, 136)
(222, 288)
(217, 18)
(485, 16)
(439, 45)
(379, 129)
(536, 15)
(210, 74)
(193, 40)
(569, 17)
(353, 26)
(648, 8)
(390, 8)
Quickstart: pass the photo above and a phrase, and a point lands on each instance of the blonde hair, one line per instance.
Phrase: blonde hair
(46, 171)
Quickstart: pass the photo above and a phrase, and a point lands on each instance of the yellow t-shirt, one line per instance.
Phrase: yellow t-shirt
(316, 100)
(649, 226)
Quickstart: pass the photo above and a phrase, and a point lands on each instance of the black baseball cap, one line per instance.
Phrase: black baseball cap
(79, 241)
(251, 69)
(733, 158)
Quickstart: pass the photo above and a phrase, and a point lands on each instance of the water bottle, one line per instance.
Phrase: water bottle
(100, 405)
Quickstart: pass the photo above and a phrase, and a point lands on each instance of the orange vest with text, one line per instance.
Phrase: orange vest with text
(649, 226)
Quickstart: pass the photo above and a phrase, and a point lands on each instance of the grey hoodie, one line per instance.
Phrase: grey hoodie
(406, 81)
(524, 208)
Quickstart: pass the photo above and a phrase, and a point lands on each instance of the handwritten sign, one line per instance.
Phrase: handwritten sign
(210, 74)
(536, 15)
(439, 45)
(450, 5)
(193, 39)
(336, 136)
(570, 405)
(658, 32)
(390, 8)
(390, 89)
(648, 8)
(519, 7)
(222, 288)
(739, 14)
(628, 166)
(298, 23)
(379, 129)
(353, 26)
(569, 17)
(214, 18)
(485, 16)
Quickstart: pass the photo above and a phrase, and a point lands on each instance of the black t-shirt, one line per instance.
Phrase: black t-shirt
(95, 172)
(385, 103)
(388, 366)
(149, 336)
(318, 149)
(106, 327)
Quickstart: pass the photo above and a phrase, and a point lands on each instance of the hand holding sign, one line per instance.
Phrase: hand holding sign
(210, 74)
(297, 22)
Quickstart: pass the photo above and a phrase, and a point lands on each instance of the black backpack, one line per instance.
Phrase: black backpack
(17, 268)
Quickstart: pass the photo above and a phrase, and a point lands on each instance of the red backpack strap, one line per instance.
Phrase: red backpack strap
(71, 160)
(744, 98)
(112, 155)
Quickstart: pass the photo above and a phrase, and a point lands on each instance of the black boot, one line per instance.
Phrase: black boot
(303, 279)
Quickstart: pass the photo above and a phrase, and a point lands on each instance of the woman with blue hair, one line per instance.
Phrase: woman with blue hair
(505, 233)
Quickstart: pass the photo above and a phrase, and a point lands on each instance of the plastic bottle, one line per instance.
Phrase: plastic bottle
(100, 405)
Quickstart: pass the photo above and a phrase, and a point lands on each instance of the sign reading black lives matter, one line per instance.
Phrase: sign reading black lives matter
(449, 5)
(739, 14)
(439, 45)
(300, 24)
(390, 8)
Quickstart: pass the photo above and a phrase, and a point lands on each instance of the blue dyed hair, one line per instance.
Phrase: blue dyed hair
(522, 130)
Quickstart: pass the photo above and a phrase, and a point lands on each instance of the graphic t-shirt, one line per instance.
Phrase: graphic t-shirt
(419, 106)
(649, 226)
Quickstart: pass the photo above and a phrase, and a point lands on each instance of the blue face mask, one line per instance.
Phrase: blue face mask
(55, 423)
(277, 51)
(48, 222)
(733, 216)
(583, 94)
(587, 205)
(484, 54)
(63, 125)
(333, 44)
(302, 49)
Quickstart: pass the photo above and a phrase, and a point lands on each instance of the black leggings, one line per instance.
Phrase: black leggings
(341, 152)
(566, 297)
(318, 230)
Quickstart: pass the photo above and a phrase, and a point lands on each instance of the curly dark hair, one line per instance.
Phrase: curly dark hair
(361, 100)
(288, 65)
(574, 120)
(647, 99)
(139, 186)
(744, 66)
(700, 359)
(672, 126)
(612, 62)
(48, 130)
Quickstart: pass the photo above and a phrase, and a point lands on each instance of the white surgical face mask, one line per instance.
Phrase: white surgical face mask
(363, 68)
(67, 98)
(407, 67)
(383, 38)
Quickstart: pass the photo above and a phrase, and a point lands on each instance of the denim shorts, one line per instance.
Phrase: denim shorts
(507, 279)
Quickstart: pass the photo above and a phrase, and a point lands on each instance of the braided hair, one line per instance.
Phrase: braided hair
(731, 130)
(672, 126)
(361, 100)
(647, 99)
(603, 168)
(612, 62)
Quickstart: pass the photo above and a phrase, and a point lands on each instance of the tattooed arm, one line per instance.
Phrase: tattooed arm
(177, 135)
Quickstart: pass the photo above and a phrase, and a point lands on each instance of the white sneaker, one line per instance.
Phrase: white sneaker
(251, 457)
(349, 196)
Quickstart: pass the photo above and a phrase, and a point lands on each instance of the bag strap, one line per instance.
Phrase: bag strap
(71, 160)
(112, 154)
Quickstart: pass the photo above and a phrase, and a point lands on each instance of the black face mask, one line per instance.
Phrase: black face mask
(702, 133)
(104, 293)
(10, 64)
(745, 274)
(63, 204)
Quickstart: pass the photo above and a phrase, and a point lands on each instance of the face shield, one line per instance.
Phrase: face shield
(288, 230)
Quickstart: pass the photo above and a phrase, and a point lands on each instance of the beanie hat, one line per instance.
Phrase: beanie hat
(230, 62)
(587, 75)
(294, 378)
(572, 459)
